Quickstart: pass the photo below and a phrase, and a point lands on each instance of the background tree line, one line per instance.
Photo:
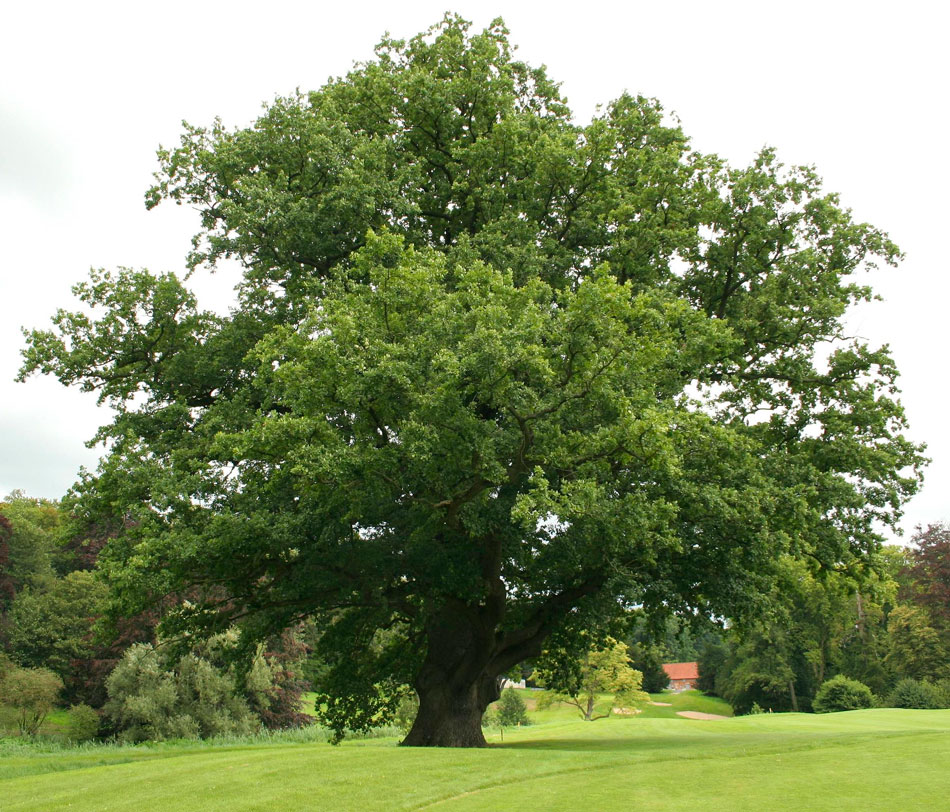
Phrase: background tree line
(886, 626)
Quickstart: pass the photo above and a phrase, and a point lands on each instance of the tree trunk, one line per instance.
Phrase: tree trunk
(457, 680)
(452, 718)
(466, 653)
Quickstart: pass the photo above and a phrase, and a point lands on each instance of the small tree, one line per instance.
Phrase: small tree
(83, 724)
(32, 692)
(842, 694)
(511, 709)
(603, 670)
(52, 626)
(274, 684)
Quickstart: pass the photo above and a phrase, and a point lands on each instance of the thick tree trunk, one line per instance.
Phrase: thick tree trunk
(466, 653)
(450, 717)
(458, 679)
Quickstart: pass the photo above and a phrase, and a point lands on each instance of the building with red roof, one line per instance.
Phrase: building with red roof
(683, 676)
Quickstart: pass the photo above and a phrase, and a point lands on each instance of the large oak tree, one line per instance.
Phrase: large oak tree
(493, 376)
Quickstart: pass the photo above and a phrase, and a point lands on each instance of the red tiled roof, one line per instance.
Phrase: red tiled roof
(681, 670)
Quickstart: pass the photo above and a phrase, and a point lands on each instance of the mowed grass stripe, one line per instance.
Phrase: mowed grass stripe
(912, 775)
(860, 760)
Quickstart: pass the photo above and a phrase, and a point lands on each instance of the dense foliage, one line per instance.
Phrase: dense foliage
(927, 573)
(492, 375)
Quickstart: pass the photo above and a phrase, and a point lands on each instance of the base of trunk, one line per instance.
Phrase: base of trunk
(446, 736)
(452, 718)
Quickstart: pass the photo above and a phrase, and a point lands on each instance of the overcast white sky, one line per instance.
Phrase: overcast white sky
(89, 90)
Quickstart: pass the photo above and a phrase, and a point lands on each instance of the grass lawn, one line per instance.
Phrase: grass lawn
(883, 759)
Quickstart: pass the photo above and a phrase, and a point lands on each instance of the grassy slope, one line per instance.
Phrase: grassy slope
(863, 760)
(685, 701)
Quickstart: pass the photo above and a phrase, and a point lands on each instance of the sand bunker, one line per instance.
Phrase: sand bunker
(699, 715)
(662, 704)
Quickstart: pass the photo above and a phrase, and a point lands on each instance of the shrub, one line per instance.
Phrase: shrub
(83, 724)
(842, 694)
(150, 699)
(511, 709)
(911, 693)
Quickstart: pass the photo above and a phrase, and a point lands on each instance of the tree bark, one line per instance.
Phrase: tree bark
(457, 680)
(452, 718)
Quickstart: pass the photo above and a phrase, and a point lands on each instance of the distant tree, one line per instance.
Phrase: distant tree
(842, 694)
(602, 670)
(109, 641)
(713, 656)
(33, 543)
(7, 581)
(915, 648)
(33, 693)
(84, 541)
(648, 660)
(862, 647)
(759, 672)
(52, 625)
(274, 683)
(82, 724)
(928, 571)
(676, 639)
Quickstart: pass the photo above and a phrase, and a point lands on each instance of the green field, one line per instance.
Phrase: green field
(882, 759)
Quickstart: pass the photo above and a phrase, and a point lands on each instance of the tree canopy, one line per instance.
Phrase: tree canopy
(492, 375)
